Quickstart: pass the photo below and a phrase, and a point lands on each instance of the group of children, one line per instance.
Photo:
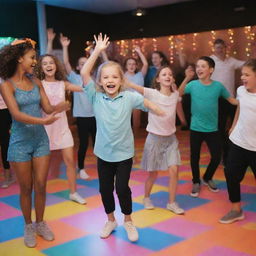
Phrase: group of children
(110, 101)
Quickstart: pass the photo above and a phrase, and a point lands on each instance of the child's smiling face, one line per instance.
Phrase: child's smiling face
(248, 78)
(49, 66)
(111, 80)
(203, 70)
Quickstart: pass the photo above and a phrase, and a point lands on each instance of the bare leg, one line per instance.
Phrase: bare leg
(41, 168)
(150, 182)
(173, 182)
(236, 207)
(68, 157)
(111, 216)
(127, 218)
(24, 177)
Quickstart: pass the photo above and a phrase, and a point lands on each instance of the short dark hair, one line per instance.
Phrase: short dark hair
(164, 61)
(209, 60)
(219, 41)
(251, 63)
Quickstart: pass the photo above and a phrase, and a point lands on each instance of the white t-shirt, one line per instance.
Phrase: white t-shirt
(162, 125)
(244, 133)
(224, 72)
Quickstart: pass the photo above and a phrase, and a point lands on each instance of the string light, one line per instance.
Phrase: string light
(171, 49)
(178, 43)
(231, 41)
(194, 42)
(213, 35)
(247, 31)
(154, 44)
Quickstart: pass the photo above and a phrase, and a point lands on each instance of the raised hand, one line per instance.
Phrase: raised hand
(189, 72)
(102, 43)
(65, 41)
(50, 34)
(137, 49)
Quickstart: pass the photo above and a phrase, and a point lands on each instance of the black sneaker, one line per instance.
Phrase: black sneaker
(195, 190)
(211, 185)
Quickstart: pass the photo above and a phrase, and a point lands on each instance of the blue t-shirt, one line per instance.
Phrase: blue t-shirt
(204, 104)
(81, 107)
(152, 70)
(137, 78)
(114, 138)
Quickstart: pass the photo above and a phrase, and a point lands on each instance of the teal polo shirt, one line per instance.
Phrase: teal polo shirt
(204, 104)
(114, 138)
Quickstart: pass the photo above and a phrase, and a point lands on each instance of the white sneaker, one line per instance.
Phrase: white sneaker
(131, 230)
(8, 182)
(77, 198)
(148, 203)
(174, 207)
(83, 174)
(108, 229)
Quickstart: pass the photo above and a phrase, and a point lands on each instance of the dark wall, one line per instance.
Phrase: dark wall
(187, 17)
(18, 19)
(78, 26)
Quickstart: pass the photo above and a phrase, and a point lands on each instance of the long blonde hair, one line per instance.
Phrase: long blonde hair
(99, 88)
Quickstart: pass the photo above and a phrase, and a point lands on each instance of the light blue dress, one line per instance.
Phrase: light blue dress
(27, 140)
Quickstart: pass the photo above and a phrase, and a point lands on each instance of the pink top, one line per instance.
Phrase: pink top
(2, 103)
(58, 132)
(162, 125)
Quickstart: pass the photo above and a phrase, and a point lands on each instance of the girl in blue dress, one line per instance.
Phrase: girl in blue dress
(29, 146)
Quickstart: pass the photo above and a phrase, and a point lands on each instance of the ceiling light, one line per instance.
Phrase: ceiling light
(139, 12)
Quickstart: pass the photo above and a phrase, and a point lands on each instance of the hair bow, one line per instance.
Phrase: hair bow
(25, 40)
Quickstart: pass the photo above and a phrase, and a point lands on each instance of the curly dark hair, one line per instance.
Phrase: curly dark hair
(60, 74)
(156, 85)
(9, 56)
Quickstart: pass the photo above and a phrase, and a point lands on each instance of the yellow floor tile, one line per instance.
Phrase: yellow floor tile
(16, 247)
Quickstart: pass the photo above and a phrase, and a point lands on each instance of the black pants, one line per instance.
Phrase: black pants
(86, 127)
(226, 113)
(117, 173)
(5, 125)
(212, 140)
(239, 159)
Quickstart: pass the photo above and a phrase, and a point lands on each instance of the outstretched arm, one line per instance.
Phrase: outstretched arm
(232, 101)
(139, 89)
(50, 36)
(65, 41)
(101, 44)
(72, 87)
(144, 61)
(153, 107)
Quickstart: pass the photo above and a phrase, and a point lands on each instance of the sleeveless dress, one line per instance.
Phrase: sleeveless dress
(27, 140)
(58, 132)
